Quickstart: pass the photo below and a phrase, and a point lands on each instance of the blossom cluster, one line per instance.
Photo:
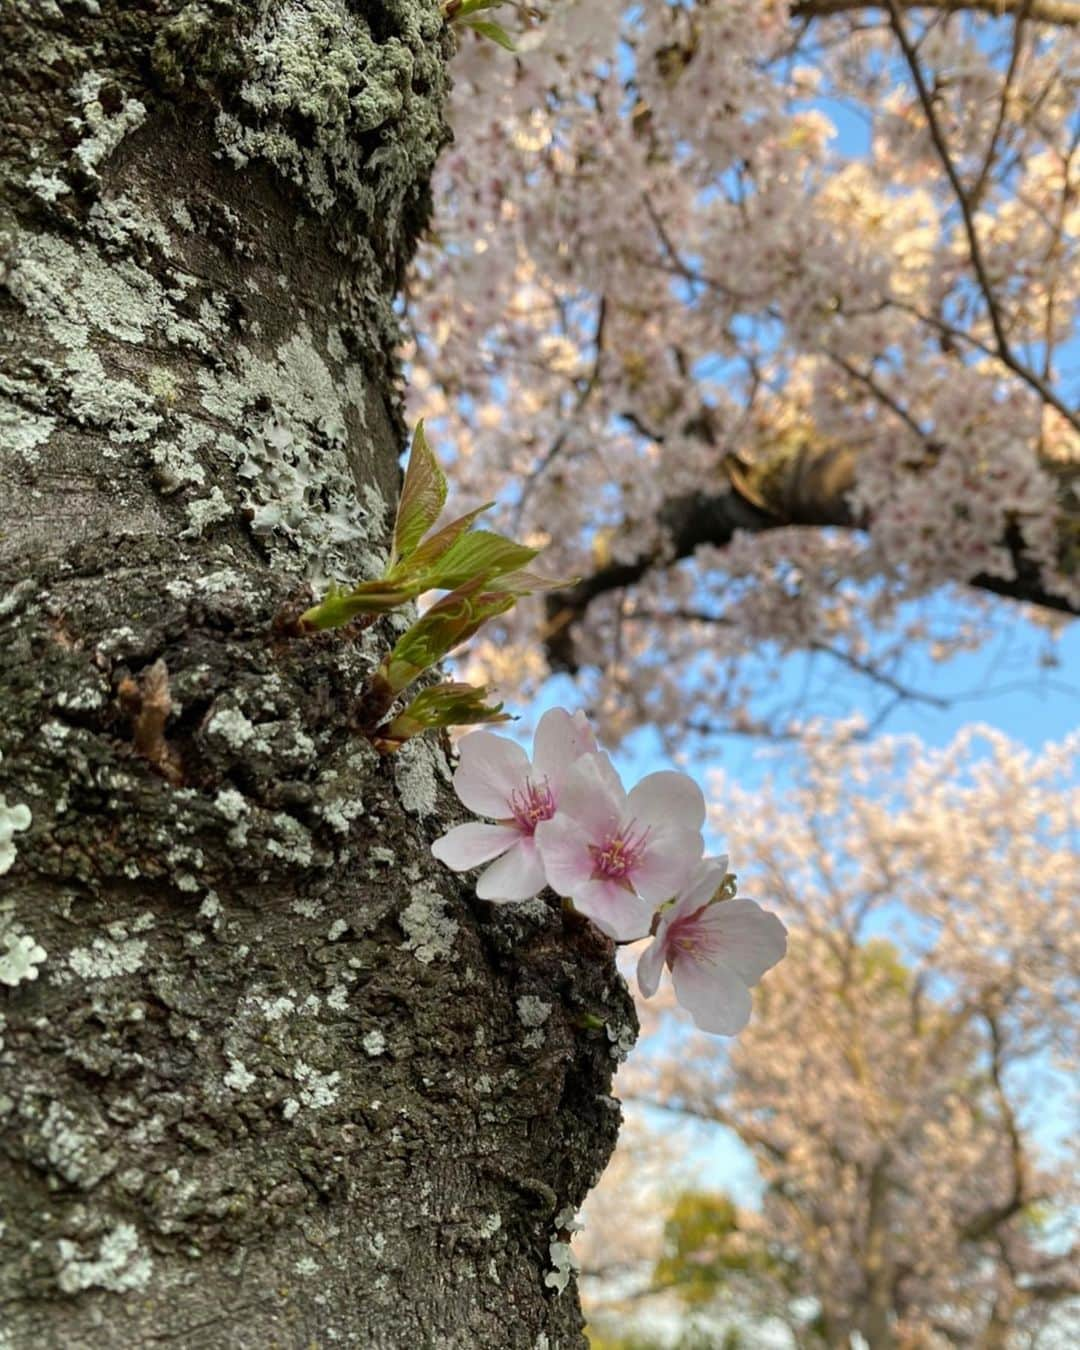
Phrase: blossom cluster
(632, 862)
(626, 302)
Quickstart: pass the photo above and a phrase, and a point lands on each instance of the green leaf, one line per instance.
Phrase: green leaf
(523, 582)
(423, 495)
(432, 549)
(489, 29)
(479, 554)
(452, 620)
(468, 7)
(340, 607)
(442, 705)
(449, 560)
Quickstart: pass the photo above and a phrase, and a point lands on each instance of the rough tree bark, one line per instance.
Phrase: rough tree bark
(280, 1080)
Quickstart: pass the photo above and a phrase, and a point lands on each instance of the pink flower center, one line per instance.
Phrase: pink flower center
(532, 804)
(689, 937)
(619, 856)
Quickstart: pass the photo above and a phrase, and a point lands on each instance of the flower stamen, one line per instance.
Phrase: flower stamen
(532, 804)
(619, 855)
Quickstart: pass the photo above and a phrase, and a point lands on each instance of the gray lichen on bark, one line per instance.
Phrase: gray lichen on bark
(263, 1078)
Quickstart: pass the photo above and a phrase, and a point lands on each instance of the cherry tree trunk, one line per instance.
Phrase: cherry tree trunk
(269, 1075)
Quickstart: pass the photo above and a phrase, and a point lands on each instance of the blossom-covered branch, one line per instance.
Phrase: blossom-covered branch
(809, 358)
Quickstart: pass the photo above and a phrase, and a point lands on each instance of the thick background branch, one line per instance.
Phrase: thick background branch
(1064, 12)
(805, 498)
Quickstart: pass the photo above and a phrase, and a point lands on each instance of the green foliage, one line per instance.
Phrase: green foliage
(423, 496)
(461, 14)
(704, 1246)
(483, 572)
(449, 622)
(440, 705)
(444, 561)
(881, 965)
(495, 32)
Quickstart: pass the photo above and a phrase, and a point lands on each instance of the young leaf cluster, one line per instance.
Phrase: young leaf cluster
(482, 573)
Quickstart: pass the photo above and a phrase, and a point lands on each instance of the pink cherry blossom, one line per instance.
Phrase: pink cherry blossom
(496, 778)
(617, 856)
(715, 948)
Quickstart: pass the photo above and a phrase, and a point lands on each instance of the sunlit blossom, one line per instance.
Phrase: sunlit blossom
(618, 854)
(716, 947)
(497, 779)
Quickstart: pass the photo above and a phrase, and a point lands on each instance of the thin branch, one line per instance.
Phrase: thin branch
(1003, 103)
(991, 1219)
(560, 441)
(866, 668)
(867, 379)
(1063, 12)
(713, 1115)
(1003, 348)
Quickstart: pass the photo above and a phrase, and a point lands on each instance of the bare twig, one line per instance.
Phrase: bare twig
(585, 393)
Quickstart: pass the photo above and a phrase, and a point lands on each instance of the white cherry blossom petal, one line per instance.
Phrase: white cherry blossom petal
(699, 890)
(564, 848)
(560, 740)
(593, 796)
(666, 865)
(473, 844)
(491, 770)
(713, 995)
(750, 939)
(517, 875)
(615, 911)
(650, 966)
(666, 800)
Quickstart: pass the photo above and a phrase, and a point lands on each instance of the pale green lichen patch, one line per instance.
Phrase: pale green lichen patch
(79, 297)
(429, 930)
(319, 84)
(374, 1043)
(47, 187)
(236, 730)
(121, 223)
(204, 511)
(22, 431)
(622, 1040)
(20, 956)
(230, 803)
(13, 820)
(297, 486)
(418, 766)
(104, 959)
(291, 841)
(100, 132)
(317, 1090)
(75, 291)
(118, 1265)
(532, 1011)
(564, 1263)
(239, 1078)
(72, 1147)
